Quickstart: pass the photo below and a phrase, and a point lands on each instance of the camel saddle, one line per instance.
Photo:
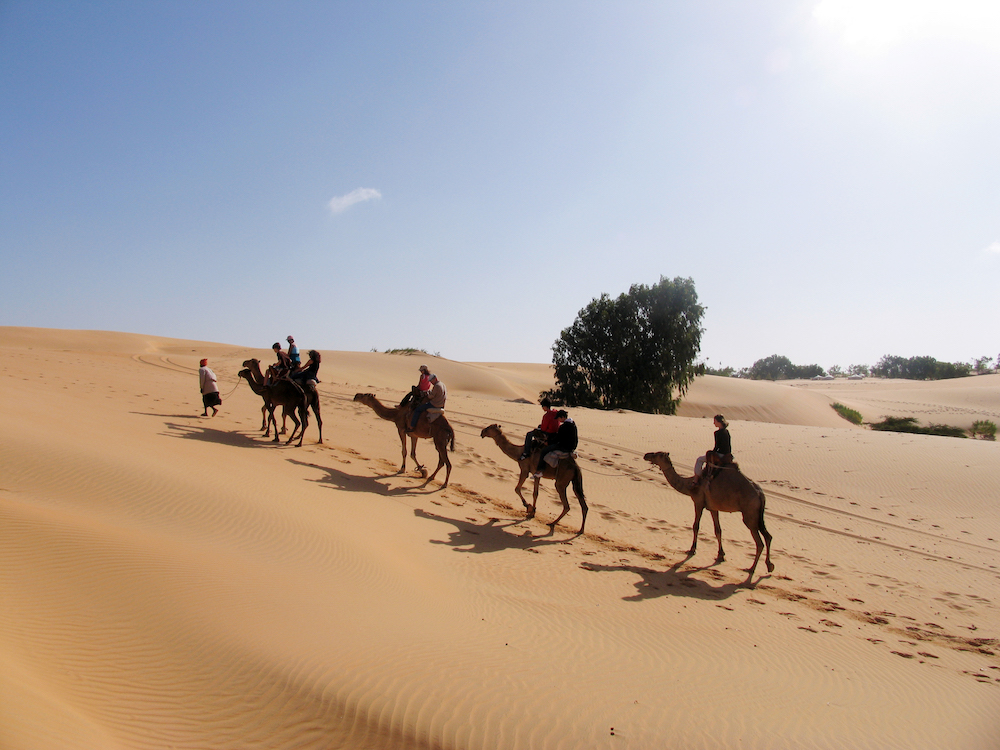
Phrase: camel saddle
(433, 413)
(714, 460)
(552, 458)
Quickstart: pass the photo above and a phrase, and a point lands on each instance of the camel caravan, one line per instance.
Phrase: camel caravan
(548, 451)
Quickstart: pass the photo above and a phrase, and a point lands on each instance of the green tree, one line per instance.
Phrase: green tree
(890, 366)
(632, 352)
(775, 367)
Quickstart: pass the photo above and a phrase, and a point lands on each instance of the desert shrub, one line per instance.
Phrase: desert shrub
(778, 367)
(919, 368)
(984, 429)
(909, 424)
(406, 351)
(852, 416)
(722, 372)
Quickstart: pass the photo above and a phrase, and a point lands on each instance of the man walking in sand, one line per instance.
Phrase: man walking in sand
(209, 389)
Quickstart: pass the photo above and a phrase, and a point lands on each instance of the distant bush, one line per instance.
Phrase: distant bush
(852, 416)
(777, 367)
(909, 424)
(408, 351)
(919, 368)
(984, 429)
(722, 372)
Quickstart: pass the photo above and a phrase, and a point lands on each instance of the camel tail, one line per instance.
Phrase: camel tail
(451, 447)
(578, 485)
(760, 519)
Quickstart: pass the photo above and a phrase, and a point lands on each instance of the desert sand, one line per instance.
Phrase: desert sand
(174, 581)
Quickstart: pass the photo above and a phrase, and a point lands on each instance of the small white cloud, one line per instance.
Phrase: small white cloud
(344, 202)
(993, 249)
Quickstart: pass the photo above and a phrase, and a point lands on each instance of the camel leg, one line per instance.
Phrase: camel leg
(295, 421)
(561, 489)
(718, 535)
(534, 498)
(402, 442)
(578, 491)
(319, 420)
(698, 508)
(304, 415)
(517, 491)
(413, 455)
(756, 530)
(443, 460)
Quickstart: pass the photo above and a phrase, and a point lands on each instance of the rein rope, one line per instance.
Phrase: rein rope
(234, 388)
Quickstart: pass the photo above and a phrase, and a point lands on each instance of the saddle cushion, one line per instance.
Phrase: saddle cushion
(552, 458)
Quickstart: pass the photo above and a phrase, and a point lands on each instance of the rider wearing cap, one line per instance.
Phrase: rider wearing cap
(293, 354)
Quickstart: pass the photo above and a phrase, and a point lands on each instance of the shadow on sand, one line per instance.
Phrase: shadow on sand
(335, 479)
(492, 536)
(209, 435)
(671, 582)
(169, 416)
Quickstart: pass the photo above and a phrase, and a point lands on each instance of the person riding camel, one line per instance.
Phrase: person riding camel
(721, 453)
(310, 372)
(544, 432)
(436, 399)
(424, 384)
(293, 354)
(282, 366)
(566, 440)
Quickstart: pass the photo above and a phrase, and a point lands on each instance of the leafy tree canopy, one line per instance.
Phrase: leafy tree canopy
(633, 352)
(777, 367)
(919, 368)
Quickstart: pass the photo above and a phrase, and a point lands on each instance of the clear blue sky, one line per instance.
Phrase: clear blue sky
(465, 177)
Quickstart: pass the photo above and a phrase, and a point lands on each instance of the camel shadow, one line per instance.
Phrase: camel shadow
(209, 435)
(673, 581)
(335, 479)
(491, 536)
(169, 416)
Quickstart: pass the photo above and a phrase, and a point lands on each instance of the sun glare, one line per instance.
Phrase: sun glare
(875, 25)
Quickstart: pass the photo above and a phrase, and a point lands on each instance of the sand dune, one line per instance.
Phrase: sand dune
(169, 580)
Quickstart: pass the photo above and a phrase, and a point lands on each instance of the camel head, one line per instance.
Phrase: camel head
(491, 432)
(251, 363)
(659, 458)
(244, 374)
(365, 398)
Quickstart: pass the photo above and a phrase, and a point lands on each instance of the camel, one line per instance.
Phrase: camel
(289, 396)
(307, 392)
(728, 491)
(267, 410)
(565, 473)
(284, 395)
(440, 431)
